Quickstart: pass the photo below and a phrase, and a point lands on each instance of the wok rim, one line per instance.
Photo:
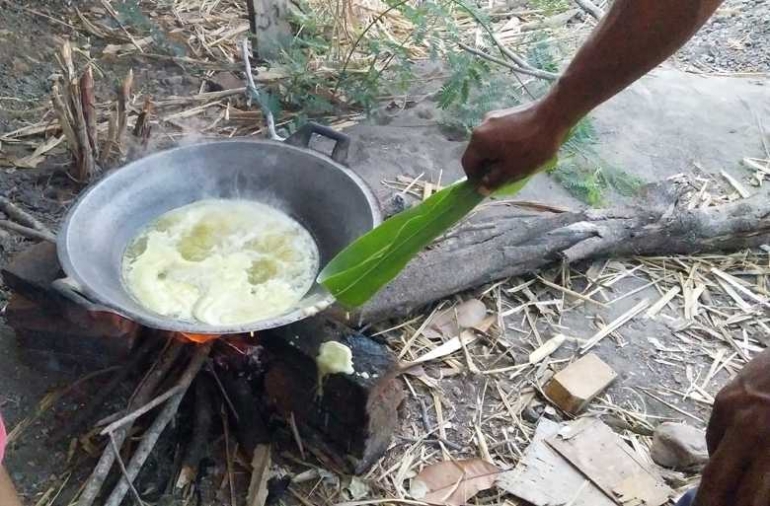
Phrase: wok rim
(160, 322)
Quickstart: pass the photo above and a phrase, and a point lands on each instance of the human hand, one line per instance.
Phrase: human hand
(511, 144)
(738, 438)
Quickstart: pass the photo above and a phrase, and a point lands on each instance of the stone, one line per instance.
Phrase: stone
(679, 446)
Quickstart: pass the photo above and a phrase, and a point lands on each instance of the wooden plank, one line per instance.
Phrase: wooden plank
(576, 385)
(611, 464)
(544, 478)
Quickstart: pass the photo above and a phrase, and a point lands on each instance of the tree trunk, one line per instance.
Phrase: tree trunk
(503, 246)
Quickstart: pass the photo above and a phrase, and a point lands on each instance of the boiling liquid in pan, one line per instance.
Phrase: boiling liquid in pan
(221, 262)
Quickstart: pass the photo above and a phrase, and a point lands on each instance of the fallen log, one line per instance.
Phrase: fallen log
(493, 248)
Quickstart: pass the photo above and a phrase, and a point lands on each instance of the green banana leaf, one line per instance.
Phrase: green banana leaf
(374, 259)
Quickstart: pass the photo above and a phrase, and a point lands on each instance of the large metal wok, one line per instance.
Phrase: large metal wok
(331, 201)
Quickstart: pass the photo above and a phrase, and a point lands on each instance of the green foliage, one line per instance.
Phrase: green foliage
(389, 63)
(464, 113)
(370, 262)
(584, 174)
(541, 55)
(130, 14)
(590, 183)
(624, 183)
(465, 72)
(551, 7)
(581, 181)
(374, 259)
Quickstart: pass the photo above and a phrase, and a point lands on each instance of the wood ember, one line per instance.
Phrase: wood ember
(357, 413)
(202, 423)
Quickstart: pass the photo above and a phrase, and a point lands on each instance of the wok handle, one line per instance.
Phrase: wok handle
(70, 290)
(301, 138)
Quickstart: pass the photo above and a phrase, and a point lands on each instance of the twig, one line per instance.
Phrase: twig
(112, 132)
(87, 412)
(23, 217)
(153, 433)
(64, 116)
(591, 8)
(204, 412)
(99, 475)
(295, 434)
(522, 63)
(228, 454)
(615, 325)
(200, 97)
(27, 232)
(142, 127)
(361, 36)
(672, 406)
(260, 472)
(124, 96)
(122, 466)
(736, 185)
(252, 88)
(85, 160)
(129, 418)
(89, 108)
(542, 74)
(115, 16)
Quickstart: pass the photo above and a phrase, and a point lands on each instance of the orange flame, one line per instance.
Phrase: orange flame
(198, 338)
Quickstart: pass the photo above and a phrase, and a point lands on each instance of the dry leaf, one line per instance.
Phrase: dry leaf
(454, 483)
(471, 313)
(443, 324)
(449, 323)
(446, 348)
(33, 160)
(357, 488)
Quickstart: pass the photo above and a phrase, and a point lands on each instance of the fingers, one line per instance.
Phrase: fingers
(754, 489)
(473, 163)
(495, 177)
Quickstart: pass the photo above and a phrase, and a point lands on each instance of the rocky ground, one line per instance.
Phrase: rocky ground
(734, 40)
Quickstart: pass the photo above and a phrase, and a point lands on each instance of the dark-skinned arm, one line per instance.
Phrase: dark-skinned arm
(632, 38)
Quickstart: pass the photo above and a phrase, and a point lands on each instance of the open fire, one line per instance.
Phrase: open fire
(267, 383)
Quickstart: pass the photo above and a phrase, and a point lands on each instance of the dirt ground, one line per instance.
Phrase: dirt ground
(670, 123)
